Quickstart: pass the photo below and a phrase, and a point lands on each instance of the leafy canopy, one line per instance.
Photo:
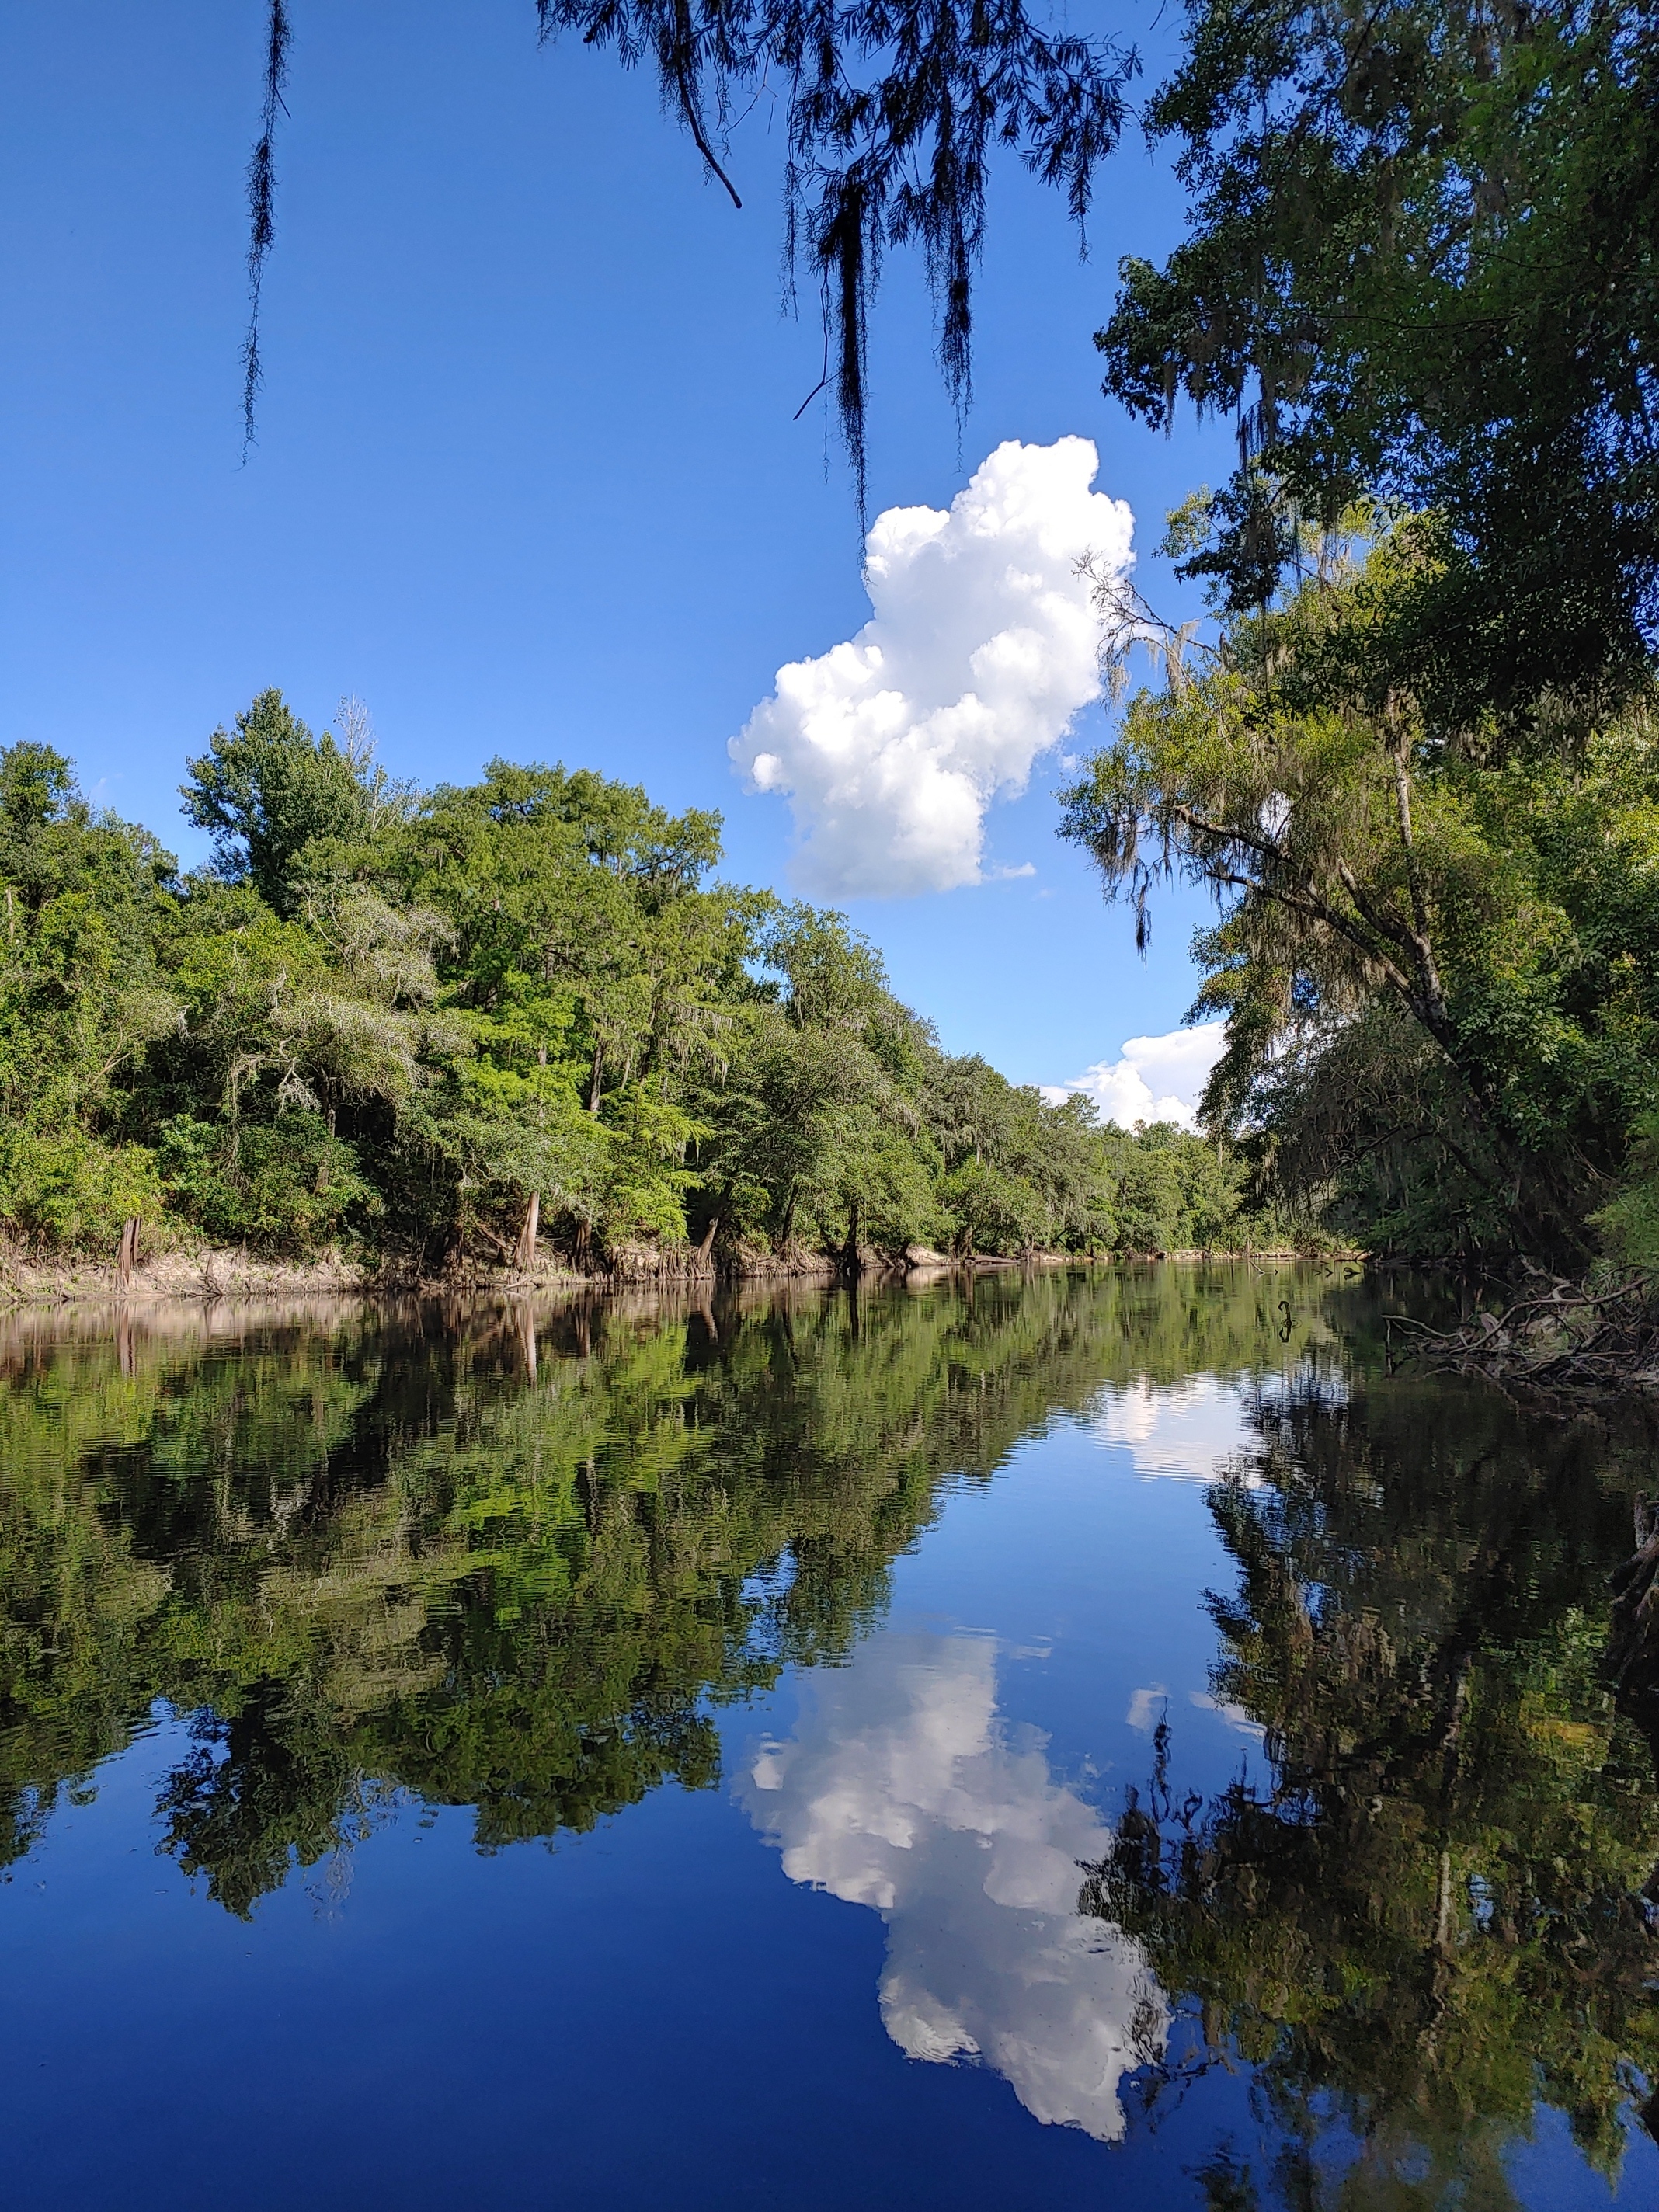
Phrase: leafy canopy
(1438, 969)
(1421, 266)
(440, 1026)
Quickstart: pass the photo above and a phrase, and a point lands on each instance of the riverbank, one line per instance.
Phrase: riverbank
(210, 1274)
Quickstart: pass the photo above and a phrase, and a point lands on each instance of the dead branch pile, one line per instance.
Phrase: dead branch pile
(1568, 1340)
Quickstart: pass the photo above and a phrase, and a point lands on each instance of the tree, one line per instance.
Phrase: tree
(1418, 946)
(269, 790)
(1421, 266)
(83, 1000)
(431, 1026)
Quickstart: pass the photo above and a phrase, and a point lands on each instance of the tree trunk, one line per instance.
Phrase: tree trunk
(129, 1252)
(850, 1253)
(524, 1257)
(708, 1236)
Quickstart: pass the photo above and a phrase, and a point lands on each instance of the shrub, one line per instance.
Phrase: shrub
(65, 1188)
(284, 1186)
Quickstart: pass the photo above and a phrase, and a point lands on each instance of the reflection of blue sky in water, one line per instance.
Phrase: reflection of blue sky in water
(904, 1791)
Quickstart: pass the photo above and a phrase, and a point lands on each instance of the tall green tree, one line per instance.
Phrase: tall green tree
(1438, 969)
(267, 789)
(1421, 266)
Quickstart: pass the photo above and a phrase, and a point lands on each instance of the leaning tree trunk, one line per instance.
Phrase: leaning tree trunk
(524, 1255)
(129, 1253)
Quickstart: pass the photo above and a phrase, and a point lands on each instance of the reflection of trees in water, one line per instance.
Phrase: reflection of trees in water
(504, 1559)
(1436, 1914)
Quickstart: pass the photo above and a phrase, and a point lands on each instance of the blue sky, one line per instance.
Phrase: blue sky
(527, 479)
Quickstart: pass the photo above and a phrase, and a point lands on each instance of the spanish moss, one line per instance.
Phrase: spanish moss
(261, 207)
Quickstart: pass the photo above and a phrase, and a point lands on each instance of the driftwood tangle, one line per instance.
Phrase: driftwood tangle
(1563, 1342)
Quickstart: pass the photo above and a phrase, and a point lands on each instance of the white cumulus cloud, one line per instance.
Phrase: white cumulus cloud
(902, 1790)
(980, 649)
(1154, 1079)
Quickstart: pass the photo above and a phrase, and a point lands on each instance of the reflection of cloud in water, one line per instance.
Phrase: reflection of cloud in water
(1204, 1426)
(902, 1790)
(1237, 1716)
(1191, 1430)
(1146, 1708)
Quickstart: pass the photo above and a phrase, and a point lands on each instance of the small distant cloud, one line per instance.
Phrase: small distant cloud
(982, 648)
(1154, 1079)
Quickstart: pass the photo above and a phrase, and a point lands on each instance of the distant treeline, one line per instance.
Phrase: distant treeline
(482, 1022)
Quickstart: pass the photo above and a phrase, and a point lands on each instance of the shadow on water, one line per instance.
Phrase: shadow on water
(516, 1558)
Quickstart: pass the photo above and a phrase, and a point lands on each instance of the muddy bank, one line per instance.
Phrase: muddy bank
(209, 1275)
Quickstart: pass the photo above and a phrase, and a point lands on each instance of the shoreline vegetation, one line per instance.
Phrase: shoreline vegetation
(520, 1034)
(503, 1031)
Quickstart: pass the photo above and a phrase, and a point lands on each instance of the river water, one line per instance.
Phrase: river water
(1095, 1740)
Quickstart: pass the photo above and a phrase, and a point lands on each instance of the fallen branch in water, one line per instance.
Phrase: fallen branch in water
(1632, 1650)
(1565, 1341)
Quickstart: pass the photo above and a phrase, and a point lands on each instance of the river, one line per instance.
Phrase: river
(1095, 1738)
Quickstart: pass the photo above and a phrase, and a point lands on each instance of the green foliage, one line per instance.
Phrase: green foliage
(66, 1188)
(416, 1023)
(1439, 969)
(284, 1186)
(269, 790)
(83, 1001)
(1420, 266)
(1630, 1220)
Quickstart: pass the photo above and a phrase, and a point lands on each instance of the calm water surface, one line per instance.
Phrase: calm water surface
(1094, 1742)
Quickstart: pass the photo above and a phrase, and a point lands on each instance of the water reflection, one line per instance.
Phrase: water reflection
(1189, 1431)
(510, 1559)
(524, 1563)
(1437, 1911)
(902, 1790)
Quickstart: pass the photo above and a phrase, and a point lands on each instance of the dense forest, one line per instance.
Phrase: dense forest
(520, 1021)
(1416, 756)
